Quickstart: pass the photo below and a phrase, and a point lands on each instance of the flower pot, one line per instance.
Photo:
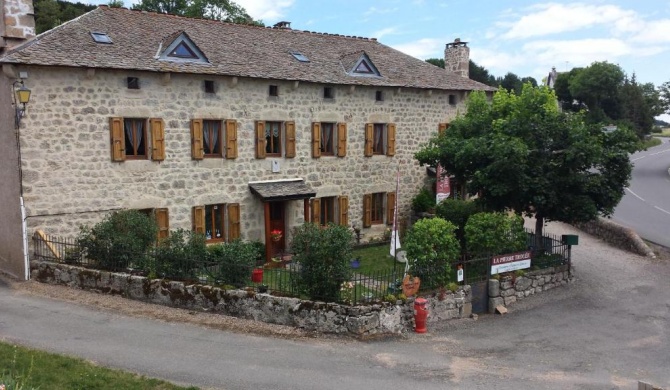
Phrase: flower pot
(257, 275)
(355, 263)
(262, 289)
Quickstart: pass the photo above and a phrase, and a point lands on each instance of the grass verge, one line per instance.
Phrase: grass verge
(650, 143)
(28, 369)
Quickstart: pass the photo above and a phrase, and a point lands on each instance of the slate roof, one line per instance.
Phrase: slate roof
(270, 191)
(232, 49)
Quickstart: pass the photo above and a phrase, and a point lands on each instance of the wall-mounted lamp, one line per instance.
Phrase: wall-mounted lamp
(21, 97)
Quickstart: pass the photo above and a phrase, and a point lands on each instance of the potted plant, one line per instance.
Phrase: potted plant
(276, 235)
(355, 262)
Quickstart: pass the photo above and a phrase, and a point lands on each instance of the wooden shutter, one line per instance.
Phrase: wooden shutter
(199, 219)
(163, 222)
(316, 139)
(367, 210)
(233, 221)
(197, 145)
(231, 139)
(343, 203)
(390, 139)
(260, 139)
(157, 139)
(290, 139)
(316, 211)
(442, 128)
(341, 139)
(390, 207)
(118, 139)
(369, 136)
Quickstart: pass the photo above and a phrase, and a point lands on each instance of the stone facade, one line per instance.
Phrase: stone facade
(457, 58)
(366, 320)
(16, 22)
(507, 290)
(70, 180)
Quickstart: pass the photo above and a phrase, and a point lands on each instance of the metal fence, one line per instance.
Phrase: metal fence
(282, 278)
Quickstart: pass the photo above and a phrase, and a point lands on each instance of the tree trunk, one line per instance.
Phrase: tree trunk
(539, 225)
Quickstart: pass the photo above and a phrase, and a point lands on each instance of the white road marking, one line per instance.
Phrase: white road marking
(639, 158)
(665, 211)
(634, 194)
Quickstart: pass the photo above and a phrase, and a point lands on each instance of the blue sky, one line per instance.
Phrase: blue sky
(519, 36)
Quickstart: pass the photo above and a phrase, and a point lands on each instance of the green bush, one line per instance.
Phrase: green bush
(423, 201)
(431, 246)
(457, 211)
(119, 241)
(178, 256)
(232, 262)
(495, 233)
(324, 255)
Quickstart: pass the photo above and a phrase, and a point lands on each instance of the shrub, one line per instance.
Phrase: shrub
(423, 201)
(232, 262)
(431, 246)
(457, 211)
(179, 255)
(495, 233)
(324, 255)
(120, 240)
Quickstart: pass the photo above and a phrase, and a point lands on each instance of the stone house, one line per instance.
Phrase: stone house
(230, 130)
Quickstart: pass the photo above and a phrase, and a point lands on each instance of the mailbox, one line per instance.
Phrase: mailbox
(570, 239)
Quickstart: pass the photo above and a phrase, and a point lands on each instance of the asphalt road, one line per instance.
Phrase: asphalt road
(607, 330)
(646, 205)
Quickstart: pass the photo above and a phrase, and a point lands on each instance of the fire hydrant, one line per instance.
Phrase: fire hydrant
(420, 315)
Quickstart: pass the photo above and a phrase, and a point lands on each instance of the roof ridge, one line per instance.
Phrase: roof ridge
(104, 6)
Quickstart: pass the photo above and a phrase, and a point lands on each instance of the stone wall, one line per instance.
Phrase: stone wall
(457, 58)
(17, 22)
(70, 180)
(508, 289)
(11, 248)
(365, 320)
(617, 235)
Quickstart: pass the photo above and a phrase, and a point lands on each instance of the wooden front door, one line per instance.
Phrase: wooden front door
(277, 222)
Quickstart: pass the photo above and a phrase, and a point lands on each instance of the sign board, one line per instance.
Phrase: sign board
(510, 262)
(442, 185)
(459, 274)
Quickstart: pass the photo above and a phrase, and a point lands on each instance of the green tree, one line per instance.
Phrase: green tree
(436, 61)
(597, 86)
(115, 3)
(511, 82)
(431, 247)
(664, 96)
(225, 10)
(477, 72)
(51, 13)
(636, 108)
(521, 153)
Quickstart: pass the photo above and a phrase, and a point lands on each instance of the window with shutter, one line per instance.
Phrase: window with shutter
(231, 139)
(390, 207)
(316, 211)
(290, 139)
(163, 222)
(273, 136)
(316, 139)
(343, 205)
(260, 139)
(199, 219)
(390, 139)
(197, 145)
(377, 208)
(212, 138)
(233, 221)
(369, 136)
(442, 128)
(367, 210)
(341, 139)
(157, 139)
(117, 139)
(135, 138)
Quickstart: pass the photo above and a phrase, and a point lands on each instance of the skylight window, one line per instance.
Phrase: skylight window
(299, 56)
(182, 51)
(101, 37)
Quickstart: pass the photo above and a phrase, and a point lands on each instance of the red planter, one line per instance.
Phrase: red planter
(257, 275)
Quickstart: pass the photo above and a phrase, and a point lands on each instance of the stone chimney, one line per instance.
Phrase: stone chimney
(17, 23)
(457, 58)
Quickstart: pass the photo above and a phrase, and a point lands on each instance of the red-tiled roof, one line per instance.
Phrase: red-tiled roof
(232, 49)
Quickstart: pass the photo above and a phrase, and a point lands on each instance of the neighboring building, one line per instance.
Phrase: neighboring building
(551, 78)
(231, 130)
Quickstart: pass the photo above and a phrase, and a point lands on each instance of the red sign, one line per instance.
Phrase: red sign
(442, 186)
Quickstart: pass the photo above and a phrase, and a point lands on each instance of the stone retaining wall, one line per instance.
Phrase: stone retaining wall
(364, 320)
(617, 235)
(508, 289)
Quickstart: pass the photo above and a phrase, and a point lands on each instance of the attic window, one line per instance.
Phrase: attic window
(452, 100)
(101, 37)
(299, 56)
(180, 48)
(363, 67)
(379, 96)
(209, 86)
(182, 51)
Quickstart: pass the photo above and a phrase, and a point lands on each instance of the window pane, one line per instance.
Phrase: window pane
(378, 141)
(218, 221)
(273, 137)
(212, 137)
(209, 225)
(327, 210)
(378, 207)
(135, 139)
(327, 134)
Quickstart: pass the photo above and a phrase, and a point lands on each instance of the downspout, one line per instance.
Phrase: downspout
(24, 232)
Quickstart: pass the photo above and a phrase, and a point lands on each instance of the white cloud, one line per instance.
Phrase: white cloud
(654, 32)
(554, 18)
(266, 10)
(385, 31)
(423, 48)
(580, 52)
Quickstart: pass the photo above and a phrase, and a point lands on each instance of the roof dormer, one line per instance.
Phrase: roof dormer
(359, 64)
(179, 47)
